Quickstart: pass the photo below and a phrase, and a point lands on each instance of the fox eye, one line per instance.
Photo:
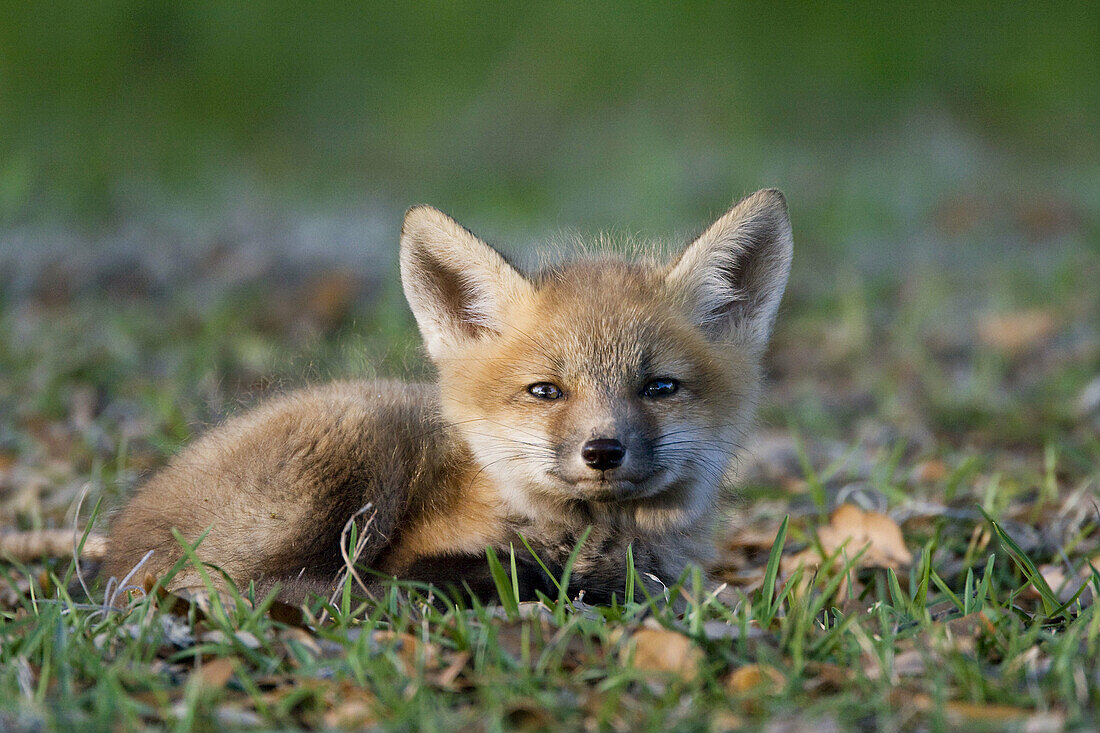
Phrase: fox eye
(545, 390)
(660, 387)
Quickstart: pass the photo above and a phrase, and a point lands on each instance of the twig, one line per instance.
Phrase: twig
(76, 538)
(350, 559)
(52, 543)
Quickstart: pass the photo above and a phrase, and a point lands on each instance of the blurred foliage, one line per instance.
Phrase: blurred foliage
(650, 112)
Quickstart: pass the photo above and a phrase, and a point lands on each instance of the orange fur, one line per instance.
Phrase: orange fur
(480, 457)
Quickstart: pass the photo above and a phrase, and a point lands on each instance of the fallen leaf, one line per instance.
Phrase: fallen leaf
(447, 677)
(930, 471)
(348, 707)
(1064, 585)
(527, 715)
(1016, 332)
(970, 626)
(825, 677)
(971, 712)
(852, 528)
(350, 714)
(245, 638)
(752, 676)
(409, 649)
(287, 614)
(217, 672)
(909, 663)
(661, 650)
(329, 297)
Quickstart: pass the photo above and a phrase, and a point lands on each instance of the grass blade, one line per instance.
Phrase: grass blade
(767, 591)
(509, 597)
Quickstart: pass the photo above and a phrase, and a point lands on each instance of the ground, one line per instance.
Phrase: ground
(944, 416)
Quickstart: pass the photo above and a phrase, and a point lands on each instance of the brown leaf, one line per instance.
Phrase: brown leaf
(661, 650)
(1016, 332)
(971, 712)
(970, 626)
(753, 538)
(329, 297)
(216, 673)
(171, 603)
(409, 649)
(350, 714)
(752, 676)
(852, 528)
(349, 707)
(930, 471)
(287, 614)
(446, 677)
(527, 715)
(825, 677)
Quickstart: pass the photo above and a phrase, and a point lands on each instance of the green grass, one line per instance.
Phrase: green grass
(870, 387)
(415, 664)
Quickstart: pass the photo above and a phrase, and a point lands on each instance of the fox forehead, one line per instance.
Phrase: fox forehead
(603, 324)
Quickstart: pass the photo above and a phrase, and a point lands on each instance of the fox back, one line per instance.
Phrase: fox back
(603, 396)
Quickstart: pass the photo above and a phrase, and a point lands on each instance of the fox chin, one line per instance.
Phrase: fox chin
(601, 398)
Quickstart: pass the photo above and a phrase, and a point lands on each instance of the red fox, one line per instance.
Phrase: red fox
(601, 395)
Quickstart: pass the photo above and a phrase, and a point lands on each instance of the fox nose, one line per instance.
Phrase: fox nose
(603, 454)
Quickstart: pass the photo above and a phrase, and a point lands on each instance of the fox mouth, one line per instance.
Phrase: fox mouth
(615, 489)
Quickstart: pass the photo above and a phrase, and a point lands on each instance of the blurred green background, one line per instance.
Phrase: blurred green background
(243, 167)
(872, 117)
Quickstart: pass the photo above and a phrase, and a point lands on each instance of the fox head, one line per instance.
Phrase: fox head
(621, 386)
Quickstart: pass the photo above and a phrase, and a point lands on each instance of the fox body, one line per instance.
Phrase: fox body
(604, 396)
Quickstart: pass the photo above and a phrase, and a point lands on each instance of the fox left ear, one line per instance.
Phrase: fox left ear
(458, 287)
(733, 276)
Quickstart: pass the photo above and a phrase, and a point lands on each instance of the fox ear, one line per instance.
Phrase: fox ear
(732, 277)
(457, 286)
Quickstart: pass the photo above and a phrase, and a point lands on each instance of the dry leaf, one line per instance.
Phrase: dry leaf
(409, 649)
(724, 720)
(287, 614)
(753, 538)
(825, 677)
(852, 528)
(1065, 586)
(660, 650)
(245, 638)
(1016, 332)
(970, 626)
(930, 471)
(350, 714)
(751, 676)
(330, 296)
(447, 677)
(216, 673)
(526, 714)
(971, 712)
(348, 706)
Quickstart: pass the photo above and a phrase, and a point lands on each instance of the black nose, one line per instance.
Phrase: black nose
(603, 454)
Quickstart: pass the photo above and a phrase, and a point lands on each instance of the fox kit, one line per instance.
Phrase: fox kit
(601, 395)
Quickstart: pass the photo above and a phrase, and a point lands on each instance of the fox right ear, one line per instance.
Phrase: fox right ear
(457, 286)
(734, 274)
